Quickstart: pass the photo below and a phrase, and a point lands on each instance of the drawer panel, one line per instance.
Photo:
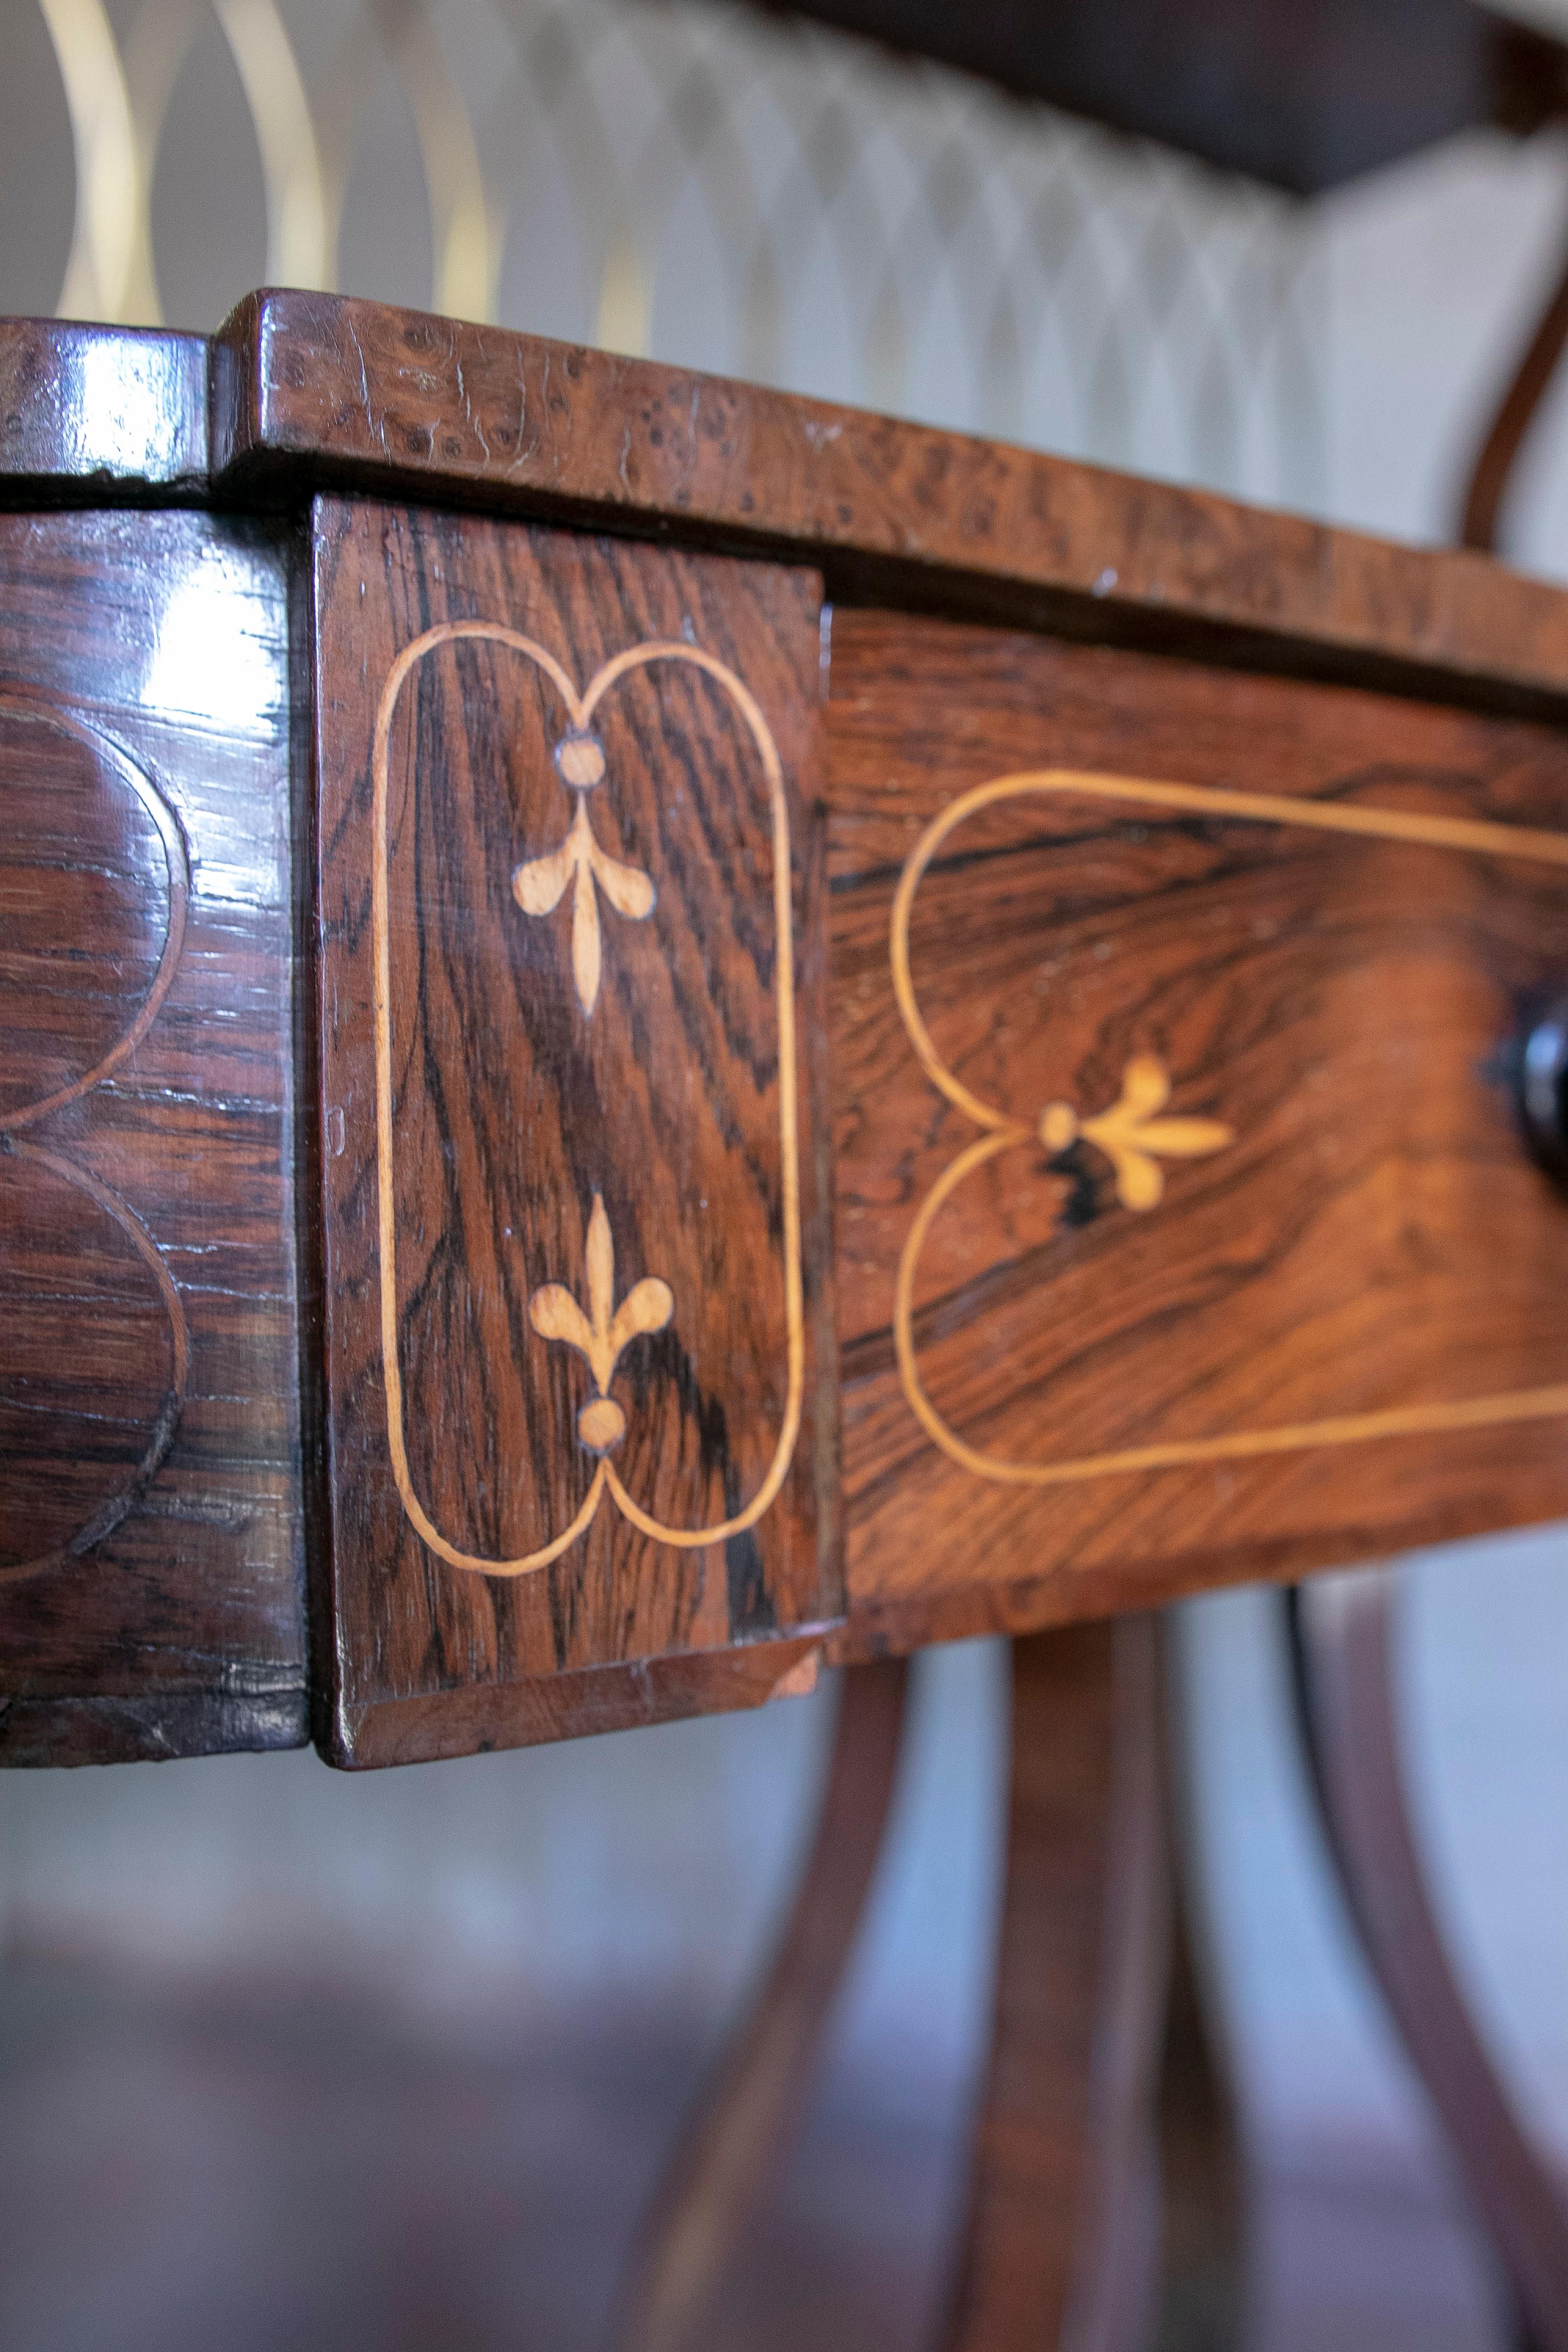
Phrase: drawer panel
(1185, 1227)
(581, 1391)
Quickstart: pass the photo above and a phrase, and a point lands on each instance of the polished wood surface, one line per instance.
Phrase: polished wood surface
(151, 1577)
(1056, 1007)
(315, 387)
(1345, 1649)
(581, 1702)
(581, 1391)
(1154, 1006)
(1262, 1322)
(92, 413)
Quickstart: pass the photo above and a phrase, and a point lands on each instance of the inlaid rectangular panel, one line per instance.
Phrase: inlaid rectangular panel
(580, 1378)
(1185, 1227)
(152, 1590)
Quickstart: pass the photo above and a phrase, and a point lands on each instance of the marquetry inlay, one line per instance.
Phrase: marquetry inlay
(580, 1382)
(600, 1335)
(602, 1331)
(1135, 1134)
(1132, 1134)
(539, 883)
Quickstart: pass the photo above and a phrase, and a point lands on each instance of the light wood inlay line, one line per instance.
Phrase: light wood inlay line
(532, 888)
(1127, 1136)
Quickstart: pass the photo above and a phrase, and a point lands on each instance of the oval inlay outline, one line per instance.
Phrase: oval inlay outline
(580, 708)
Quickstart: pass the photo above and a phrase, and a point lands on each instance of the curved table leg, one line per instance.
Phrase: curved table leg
(1062, 2242)
(1342, 1648)
(740, 2132)
(1346, 1703)
(1515, 414)
(1205, 2282)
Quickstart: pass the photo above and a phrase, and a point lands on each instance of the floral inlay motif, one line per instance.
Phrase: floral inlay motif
(598, 1330)
(1129, 1133)
(1132, 1134)
(605, 1330)
(539, 883)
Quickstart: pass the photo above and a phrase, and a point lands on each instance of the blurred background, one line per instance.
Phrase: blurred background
(287, 2059)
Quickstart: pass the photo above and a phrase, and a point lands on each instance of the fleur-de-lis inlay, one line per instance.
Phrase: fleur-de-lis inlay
(605, 1330)
(539, 883)
(1131, 1133)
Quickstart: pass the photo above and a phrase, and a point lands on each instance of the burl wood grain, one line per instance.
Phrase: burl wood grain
(324, 388)
(580, 1377)
(1352, 1228)
(150, 1582)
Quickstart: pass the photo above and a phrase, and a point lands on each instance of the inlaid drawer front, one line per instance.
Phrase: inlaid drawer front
(580, 1382)
(1189, 1226)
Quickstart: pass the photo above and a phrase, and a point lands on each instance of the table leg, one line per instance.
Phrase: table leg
(1062, 2243)
(742, 2128)
(1342, 1642)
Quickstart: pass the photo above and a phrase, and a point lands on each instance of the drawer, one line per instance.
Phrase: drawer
(1186, 1225)
(579, 1380)
(1089, 1076)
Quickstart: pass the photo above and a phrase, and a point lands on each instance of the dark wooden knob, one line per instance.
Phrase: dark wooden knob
(1544, 1089)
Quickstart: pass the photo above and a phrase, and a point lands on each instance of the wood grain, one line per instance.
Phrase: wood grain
(151, 1576)
(580, 1383)
(581, 1702)
(1344, 1007)
(316, 387)
(1245, 1169)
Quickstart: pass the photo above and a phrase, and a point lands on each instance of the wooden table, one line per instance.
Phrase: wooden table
(659, 1036)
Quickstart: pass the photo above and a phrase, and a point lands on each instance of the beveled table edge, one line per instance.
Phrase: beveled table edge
(109, 414)
(361, 393)
(300, 391)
